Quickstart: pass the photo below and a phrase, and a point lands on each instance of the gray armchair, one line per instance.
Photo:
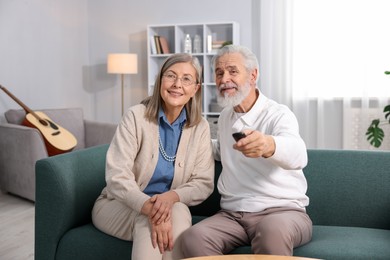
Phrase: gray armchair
(21, 146)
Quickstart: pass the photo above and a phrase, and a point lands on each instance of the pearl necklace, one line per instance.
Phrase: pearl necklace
(162, 150)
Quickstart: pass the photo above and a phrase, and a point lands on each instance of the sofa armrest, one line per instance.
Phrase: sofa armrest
(67, 186)
(97, 133)
(25, 140)
(20, 148)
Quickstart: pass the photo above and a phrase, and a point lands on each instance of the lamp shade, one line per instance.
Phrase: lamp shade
(122, 63)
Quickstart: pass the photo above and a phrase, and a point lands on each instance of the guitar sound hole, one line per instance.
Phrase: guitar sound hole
(52, 125)
(43, 122)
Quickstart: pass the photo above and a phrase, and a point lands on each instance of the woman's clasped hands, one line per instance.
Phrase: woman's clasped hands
(160, 220)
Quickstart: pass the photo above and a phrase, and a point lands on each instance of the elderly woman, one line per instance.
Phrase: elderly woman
(158, 163)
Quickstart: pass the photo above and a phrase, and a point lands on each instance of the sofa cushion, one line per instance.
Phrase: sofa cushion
(337, 243)
(346, 243)
(328, 242)
(75, 245)
(85, 242)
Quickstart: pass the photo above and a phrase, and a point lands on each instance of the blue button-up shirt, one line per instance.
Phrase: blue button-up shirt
(170, 136)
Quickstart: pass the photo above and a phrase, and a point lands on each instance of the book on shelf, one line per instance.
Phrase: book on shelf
(160, 45)
(153, 45)
(217, 44)
(157, 42)
(214, 45)
(209, 43)
(164, 45)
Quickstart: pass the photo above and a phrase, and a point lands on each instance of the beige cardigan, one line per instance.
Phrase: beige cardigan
(133, 154)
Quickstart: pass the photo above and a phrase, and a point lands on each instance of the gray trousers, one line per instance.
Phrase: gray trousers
(273, 231)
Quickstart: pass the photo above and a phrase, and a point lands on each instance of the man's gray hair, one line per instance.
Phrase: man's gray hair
(250, 58)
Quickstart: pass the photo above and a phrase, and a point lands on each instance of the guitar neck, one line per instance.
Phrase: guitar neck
(26, 108)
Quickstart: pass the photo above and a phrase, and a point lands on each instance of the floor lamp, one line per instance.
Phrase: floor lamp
(122, 63)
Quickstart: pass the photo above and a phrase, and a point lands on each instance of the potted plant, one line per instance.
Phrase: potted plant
(375, 133)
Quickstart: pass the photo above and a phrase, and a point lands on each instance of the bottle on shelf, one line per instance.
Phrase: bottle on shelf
(187, 44)
(197, 44)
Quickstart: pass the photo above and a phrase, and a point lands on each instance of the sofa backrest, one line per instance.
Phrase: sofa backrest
(72, 119)
(211, 204)
(349, 188)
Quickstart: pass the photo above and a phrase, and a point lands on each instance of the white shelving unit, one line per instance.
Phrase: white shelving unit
(210, 34)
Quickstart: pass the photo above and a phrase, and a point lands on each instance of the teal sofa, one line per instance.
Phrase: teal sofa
(349, 204)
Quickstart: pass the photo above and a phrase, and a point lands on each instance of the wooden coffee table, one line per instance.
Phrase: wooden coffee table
(249, 257)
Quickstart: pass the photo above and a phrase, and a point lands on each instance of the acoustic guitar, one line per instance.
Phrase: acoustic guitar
(57, 139)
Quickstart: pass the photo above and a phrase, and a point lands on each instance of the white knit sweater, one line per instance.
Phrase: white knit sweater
(255, 184)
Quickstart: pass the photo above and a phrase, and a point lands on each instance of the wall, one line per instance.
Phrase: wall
(54, 53)
(43, 46)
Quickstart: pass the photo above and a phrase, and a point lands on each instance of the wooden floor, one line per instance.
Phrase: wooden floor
(16, 228)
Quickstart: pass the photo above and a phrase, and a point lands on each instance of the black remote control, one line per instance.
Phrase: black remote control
(237, 136)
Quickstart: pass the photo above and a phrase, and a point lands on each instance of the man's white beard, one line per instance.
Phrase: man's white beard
(232, 101)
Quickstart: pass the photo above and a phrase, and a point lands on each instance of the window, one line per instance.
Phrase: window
(341, 48)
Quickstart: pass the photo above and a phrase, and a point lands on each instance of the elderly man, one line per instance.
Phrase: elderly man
(262, 184)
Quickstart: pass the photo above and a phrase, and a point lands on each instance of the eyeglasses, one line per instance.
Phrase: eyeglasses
(186, 80)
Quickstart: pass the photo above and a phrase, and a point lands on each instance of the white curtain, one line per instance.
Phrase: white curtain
(326, 59)
(272, 44)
